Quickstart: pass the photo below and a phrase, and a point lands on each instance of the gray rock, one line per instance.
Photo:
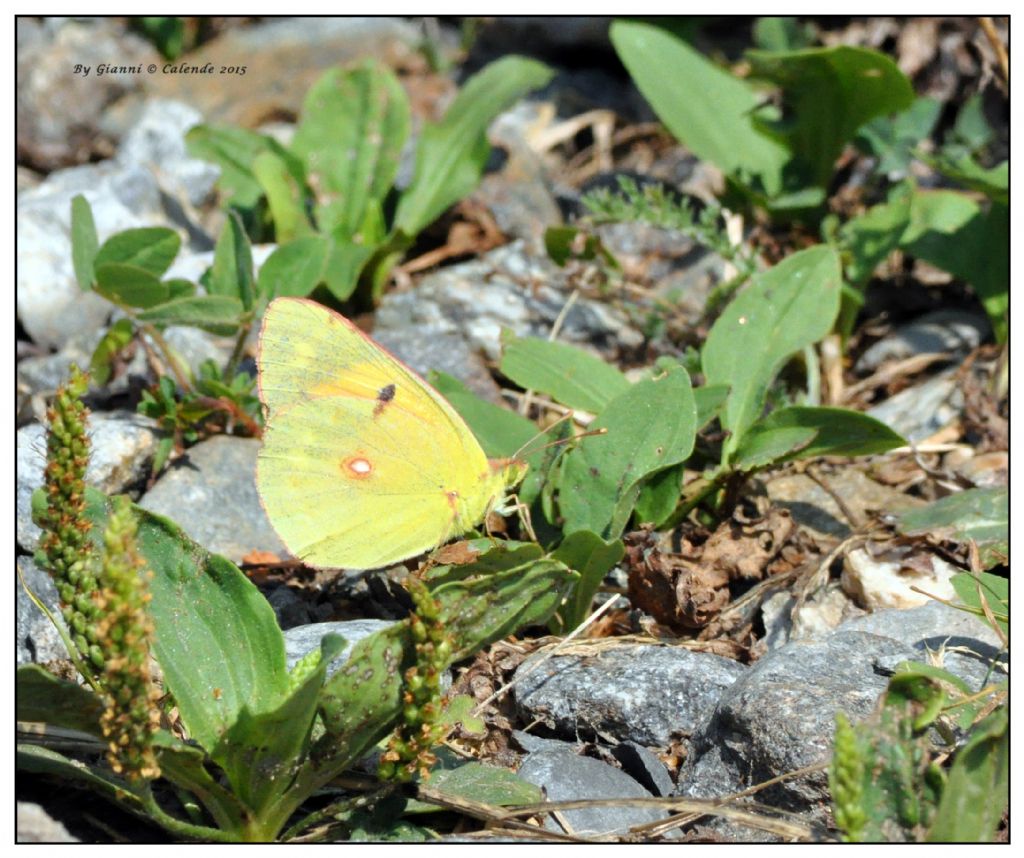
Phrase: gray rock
(532, 743)
(636, 692)
(953, 331)
(506, 288)
(920, 411)
(35, 825)
(123, 446)
(816, 509)
(302, 640)
(58, 107)
(643, 766)
(780, 716)
(959, 642)
(38, 640)
(211, 493)
(51, 306)
(156, 140)
(566, 776)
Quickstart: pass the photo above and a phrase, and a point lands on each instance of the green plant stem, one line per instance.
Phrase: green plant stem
(238, 351)
(185, 829)
(180, 376)
(222, 806)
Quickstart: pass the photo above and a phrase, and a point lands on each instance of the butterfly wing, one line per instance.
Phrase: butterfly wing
(363, 463)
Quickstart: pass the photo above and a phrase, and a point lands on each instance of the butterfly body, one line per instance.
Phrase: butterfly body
(363, 463)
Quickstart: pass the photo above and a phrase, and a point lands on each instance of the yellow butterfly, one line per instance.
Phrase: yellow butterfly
(363, 463)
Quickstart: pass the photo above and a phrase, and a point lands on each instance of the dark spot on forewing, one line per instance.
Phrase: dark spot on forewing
(385, 395)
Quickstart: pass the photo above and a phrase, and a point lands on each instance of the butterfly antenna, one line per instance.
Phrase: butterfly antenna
(558, 441)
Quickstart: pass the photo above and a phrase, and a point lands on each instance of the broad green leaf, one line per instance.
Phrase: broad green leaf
(350, 135)
(761, 448)
(777, 33)
(994, 589)
(649, 427)
(179, 287)
(483, 783)
(954, 233)
(971, 129)
(231, 274)
(704, 106)
(833, 432)
(346, 260)
(150, 248)
(217, 639)
(234, 149)
(568, 374)
(979, 514)
(659, 495)
(42, 697)
(783, 310)
(871, 237)
(590, 556)
(129, 285)
(285, 196)
(294, 269)
(451, 155)
(829, 93)
(218, 314)
(978, 785)
(993, 182)
(84, 242)
(891, 139)
(117, 336)
(33, 758)
(262, 751)
(709, 399)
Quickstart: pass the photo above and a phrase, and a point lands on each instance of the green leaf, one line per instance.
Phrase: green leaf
(218, 314)
(285, 196)
(217, 640)
(345, 262)
(451, 155)
(32, 758)
(709, 400)
(978, 785)
(150, 248)
(42, 697)
(294, 269)
(84, 242)
(705, 107)
(350, 135)
(814, 432)
(782, 311)
(231, 274)
(179, 287)
(482, 783)
(262, 751)
(129, 285)
(234, 149)
(110, 345)
(872, 236)
(978, 514)
(995, 590)
(659, 496)
(954, 233)
(829, 93)
(761, 448)
(993, 182)
(568, 374)
(891, 139)
(649, 427)
(592, 558)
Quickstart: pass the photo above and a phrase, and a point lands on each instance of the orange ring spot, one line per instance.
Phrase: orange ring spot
(358, 467)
